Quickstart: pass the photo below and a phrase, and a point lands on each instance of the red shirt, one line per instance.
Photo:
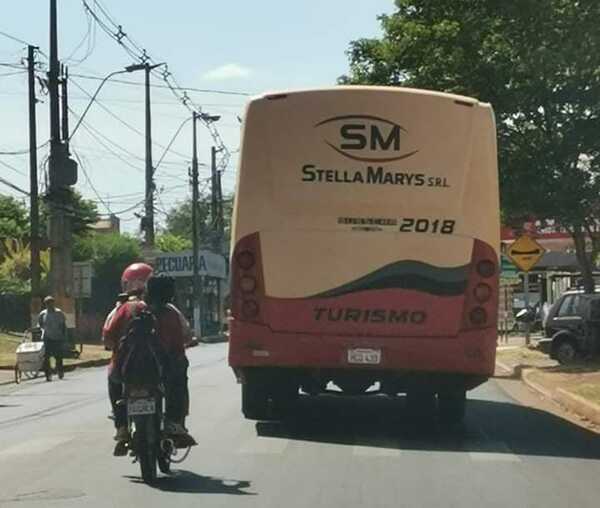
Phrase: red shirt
(171, 327)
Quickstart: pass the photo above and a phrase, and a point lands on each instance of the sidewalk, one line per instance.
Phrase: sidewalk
(575, 387)
(6, 377)
(513, 341)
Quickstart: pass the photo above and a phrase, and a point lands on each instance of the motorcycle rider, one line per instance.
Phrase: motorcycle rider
(173, 332)
(133, 282)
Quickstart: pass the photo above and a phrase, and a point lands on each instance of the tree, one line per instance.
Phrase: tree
(179, 220)
(15, 268)
(168, 242)
(14, 220)
(110, 254)
(83, 212)
(537, 62)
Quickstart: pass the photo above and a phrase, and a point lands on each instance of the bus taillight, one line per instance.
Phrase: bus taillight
(481, 298)
(482, 292)
(248, 284)
(478, 316)
(486, 268)
(247, 288)
(245, 259)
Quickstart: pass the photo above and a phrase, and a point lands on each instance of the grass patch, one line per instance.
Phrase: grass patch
(91, 353)
(9, 343)
(522, 354)
(588, 391)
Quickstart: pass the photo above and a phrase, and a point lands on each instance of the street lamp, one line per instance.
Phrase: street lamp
(128, 69)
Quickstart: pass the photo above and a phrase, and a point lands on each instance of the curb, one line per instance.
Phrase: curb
(505, 367)
(581, 406)
(570, 401)
(536, 387)
(68, 368)
(213, 339)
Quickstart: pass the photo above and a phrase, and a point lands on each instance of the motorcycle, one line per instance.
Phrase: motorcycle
(142, 374)
(529, 316)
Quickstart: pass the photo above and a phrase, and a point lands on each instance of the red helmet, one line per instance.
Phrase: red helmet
(135, 276)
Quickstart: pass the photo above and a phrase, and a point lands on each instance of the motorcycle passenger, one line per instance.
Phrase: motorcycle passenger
(173, 332)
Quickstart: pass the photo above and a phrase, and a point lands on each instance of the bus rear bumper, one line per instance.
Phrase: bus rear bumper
(471, 353)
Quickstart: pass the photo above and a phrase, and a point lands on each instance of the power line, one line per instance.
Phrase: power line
(15, 39)
(25, 151)
(120, 212)
(103, 154)
(90, 38)
(166, 87)
(16, 73)
(89, 181)
(9, 166)
(120, 120)
(13, 186)
(140, 54)
(20, 41)
(97, 137)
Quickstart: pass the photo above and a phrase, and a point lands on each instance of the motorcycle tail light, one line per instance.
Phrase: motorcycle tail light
(138, 392)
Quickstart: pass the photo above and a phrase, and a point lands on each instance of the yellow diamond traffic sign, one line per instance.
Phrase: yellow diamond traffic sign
(525, 252)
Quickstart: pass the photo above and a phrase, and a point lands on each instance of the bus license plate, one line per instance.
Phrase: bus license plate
(141, 407)
(364, 356)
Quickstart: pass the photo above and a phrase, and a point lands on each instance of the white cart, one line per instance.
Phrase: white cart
(30, 358)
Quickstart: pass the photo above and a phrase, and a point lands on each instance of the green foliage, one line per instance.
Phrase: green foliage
(179, 220)
(168, 242)
(15, 273)
(537, 62)
(14, 220)
(83, 213)
(109, 253)
(14, 216)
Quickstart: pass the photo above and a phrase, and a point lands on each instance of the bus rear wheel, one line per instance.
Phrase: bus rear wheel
(452, 406)
(255, 401)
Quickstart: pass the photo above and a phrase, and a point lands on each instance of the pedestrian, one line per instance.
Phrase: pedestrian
(53, 323)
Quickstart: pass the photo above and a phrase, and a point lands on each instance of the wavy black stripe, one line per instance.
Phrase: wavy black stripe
(413, 275)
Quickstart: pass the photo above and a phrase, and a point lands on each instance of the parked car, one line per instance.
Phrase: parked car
(564, 313)
(572, 327)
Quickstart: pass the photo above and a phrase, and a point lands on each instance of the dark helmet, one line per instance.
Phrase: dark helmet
(160, 289)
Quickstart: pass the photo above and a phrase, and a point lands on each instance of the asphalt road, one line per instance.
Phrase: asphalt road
(55, 451)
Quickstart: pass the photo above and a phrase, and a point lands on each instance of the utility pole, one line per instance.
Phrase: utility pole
(197, 293)
(214, 208)
(65, 107)
(149, 208)
(34, 233)
(62, 174)
(220, 219)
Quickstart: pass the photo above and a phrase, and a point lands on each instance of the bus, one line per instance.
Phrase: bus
(365, 249)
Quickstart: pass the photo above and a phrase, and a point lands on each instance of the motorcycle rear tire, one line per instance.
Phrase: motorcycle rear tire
(146, 448)
(164, 465)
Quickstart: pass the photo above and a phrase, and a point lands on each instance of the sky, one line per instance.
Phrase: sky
(232, 49)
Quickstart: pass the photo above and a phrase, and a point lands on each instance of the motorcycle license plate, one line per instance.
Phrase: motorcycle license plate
(364, 356)
(141, 407)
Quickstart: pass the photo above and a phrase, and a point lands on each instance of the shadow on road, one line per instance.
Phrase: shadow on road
(490, 427)
(188, 482)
